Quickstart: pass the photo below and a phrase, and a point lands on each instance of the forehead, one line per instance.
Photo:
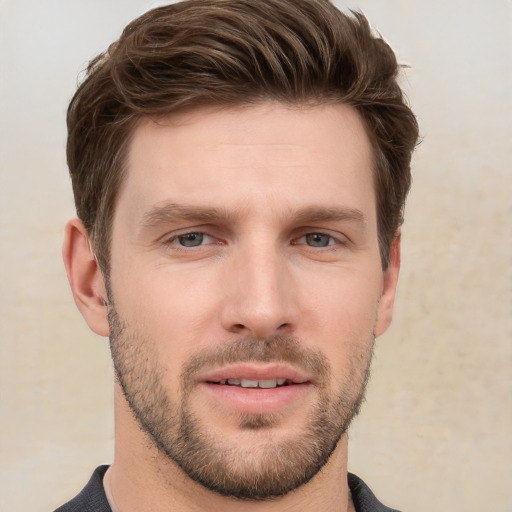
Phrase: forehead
(295, 155)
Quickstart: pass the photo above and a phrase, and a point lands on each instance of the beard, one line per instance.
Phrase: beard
(259, 470)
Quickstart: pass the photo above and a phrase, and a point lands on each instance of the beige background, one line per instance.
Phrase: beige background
(436, 432)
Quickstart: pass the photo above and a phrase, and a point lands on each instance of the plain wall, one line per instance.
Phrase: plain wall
(435, 433)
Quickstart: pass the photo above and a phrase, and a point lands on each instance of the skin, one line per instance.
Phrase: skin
(277, 174)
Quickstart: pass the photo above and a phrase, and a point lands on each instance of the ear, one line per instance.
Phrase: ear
(85, 277)
(387, 298)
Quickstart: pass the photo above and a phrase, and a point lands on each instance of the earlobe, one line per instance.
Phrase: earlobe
(85, 277)
(387, 299)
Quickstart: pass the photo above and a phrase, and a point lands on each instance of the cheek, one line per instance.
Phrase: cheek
(174, 311)
(345, 302)
(343, 314)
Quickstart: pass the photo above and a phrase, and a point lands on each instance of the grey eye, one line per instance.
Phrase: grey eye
(317, 240)
(191, 239)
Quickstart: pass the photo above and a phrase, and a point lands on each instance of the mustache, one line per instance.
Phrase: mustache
(276, 349)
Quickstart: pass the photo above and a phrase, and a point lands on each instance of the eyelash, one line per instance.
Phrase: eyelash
(176, 238)
(331, 240)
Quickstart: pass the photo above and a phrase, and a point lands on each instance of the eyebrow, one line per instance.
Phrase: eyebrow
(170, 212)
(326, 214)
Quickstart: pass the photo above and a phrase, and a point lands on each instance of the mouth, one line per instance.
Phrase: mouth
(256, 376)
(257, 388)
(252, 383)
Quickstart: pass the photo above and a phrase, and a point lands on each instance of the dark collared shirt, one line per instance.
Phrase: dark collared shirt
(93, 498)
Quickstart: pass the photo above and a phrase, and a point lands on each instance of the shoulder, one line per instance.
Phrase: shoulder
(91, 498)
(363, 497)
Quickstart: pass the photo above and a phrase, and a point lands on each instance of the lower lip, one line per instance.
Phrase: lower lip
(257, 400)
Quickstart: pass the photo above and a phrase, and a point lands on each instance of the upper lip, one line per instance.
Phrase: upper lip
(256, 371)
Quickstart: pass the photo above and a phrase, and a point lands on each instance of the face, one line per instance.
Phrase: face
(246, 289)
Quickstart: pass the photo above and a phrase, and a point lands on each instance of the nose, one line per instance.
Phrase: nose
(259, 298)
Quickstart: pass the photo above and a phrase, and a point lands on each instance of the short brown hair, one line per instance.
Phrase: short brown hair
(235, 52)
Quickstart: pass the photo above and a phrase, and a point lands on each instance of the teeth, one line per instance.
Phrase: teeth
(250, 383)
(267, 384)
(246, 383)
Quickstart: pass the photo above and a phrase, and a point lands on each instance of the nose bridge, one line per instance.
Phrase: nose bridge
(258, 298)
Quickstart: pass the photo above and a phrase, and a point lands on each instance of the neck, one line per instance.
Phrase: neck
(142, 478)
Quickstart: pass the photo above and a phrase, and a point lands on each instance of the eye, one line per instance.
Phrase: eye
(317, 240)
(192, 239)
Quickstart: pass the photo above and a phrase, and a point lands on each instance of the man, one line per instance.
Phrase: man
(239, 171)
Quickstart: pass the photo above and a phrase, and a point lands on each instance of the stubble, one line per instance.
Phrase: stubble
(260, 471)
